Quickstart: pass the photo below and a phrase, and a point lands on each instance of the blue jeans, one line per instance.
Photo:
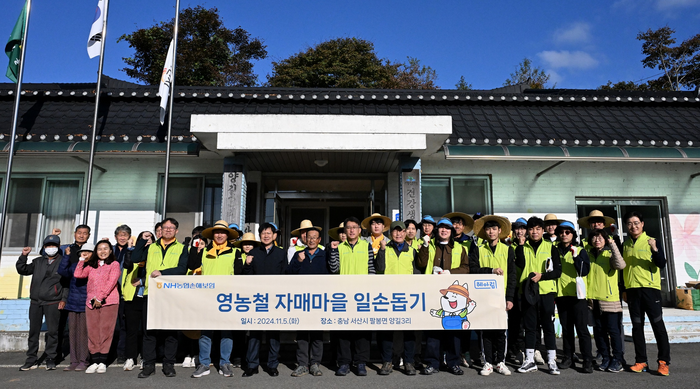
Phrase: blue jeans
(205, 347)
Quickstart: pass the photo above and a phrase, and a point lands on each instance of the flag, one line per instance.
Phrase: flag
(165, 81)
(13, 49)
(94, 44)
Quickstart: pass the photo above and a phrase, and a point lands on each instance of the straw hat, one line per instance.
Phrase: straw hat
(334, 232)
(468, 220)
(248, 238)
(385, 220)
(220, 225)
(305, 225)
(502, 221)
(550, 217)
(456, 288)
(583, 222)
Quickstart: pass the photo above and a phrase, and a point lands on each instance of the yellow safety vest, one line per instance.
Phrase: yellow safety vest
(640, 272)
(566, 285)
(456, 256)
(354, 260)
(495, 260)
(156, 261)
(536, 263)
(401, 264)
(602, 279)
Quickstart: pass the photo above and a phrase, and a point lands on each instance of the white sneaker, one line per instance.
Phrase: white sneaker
(538, 358)
(553, 368)
(501, 368)
(528, 366)
(487, 369)
(141, 365)
(187, 362)
(101, 368)
(129, 365)
(92, 368)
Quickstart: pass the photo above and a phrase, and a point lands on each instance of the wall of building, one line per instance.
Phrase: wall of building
(517, 191)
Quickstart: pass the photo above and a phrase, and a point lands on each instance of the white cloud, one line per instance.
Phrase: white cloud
(568, 59)
(667, 5)
(579, 32)
(555, 79)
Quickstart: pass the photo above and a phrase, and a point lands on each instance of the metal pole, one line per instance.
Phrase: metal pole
(170, 110)
(10, 156)
(94, 119)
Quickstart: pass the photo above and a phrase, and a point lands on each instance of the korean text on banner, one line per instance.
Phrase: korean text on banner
(327, 302)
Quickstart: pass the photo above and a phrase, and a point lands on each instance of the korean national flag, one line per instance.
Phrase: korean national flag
(94, 44)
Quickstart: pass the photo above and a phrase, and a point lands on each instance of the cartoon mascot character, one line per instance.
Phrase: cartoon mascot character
(456, 305)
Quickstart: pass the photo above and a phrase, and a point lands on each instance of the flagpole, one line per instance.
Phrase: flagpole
(94, 119)
(170, 110)
(10, 157)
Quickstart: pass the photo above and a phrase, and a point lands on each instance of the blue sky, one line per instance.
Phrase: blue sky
(582, 44)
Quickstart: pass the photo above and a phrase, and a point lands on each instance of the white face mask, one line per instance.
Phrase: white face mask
(51, 251)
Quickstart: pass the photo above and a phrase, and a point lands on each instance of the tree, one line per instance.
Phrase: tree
(680, 64)
(349, 63)
(462, 84)
(525, 73)
(625, 86)
(207, 52)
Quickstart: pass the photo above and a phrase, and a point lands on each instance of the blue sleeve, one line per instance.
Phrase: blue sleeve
(658, 257)
(64, 268)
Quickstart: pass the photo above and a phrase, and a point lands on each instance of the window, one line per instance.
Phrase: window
(444, 194)
(37, 205)
(192, 201)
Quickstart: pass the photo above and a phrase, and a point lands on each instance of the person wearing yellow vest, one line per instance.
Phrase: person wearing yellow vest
(539, 261)
(596, 220)
(604, 296)
(551, 221)
(354, 256)
(427, 226)
(443, 256)
(411, 232)
(573, 311)
(267, 258)
(644, 259)
(245, 245)
(217, 258)
(311, 260)
(298, 242)
(463, 224)
(377, 225)
(166, 256)
(499, 259)
(397, 257)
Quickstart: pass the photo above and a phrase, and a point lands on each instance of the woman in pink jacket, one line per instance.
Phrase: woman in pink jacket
(102, 271)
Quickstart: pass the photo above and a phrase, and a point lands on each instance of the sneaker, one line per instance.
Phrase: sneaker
(225, 370)
(343, 370)
(129, 364)
(409, 369)
(565, 363)
(169, 370)
(188, 362)
(141, 365)
(465, 362)
(501, 368)
(456, 370)
(553, 368)
(429, 370)
(121, 360)
(639, 367)
(604, 364)
(615, 366)
(148, 370)
(50, 364)
(236, 363)
(28, 366)
(663, 368)
(387, 368)
(300, 371)
(588, 367)
(487, 369)
(315, 370)
(101, 368)
(92, 368)
(200, 372)
(527, 367)
(361, 369)
(538, 357)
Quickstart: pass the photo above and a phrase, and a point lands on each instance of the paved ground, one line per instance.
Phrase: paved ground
(684, 374)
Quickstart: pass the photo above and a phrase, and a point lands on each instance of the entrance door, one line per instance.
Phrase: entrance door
(326, 216)
(655, 224)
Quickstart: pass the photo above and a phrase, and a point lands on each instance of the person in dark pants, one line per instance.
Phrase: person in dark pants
(312, 260)
(132, 287)
(573, 311)
(644, 259)
(122, 235)
(264, 259)
(166, 256)
(48, 294)
(539, 262)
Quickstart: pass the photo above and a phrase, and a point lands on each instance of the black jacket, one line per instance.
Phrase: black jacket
(273, 262)
(47, 287)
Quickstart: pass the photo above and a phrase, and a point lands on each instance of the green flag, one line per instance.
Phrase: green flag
(13, 49)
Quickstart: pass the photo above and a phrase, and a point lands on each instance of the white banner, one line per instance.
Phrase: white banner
(327, 302)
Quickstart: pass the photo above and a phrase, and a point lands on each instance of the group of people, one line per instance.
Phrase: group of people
(104, 290)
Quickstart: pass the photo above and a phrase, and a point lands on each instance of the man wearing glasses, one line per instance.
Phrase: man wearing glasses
(642, 276)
